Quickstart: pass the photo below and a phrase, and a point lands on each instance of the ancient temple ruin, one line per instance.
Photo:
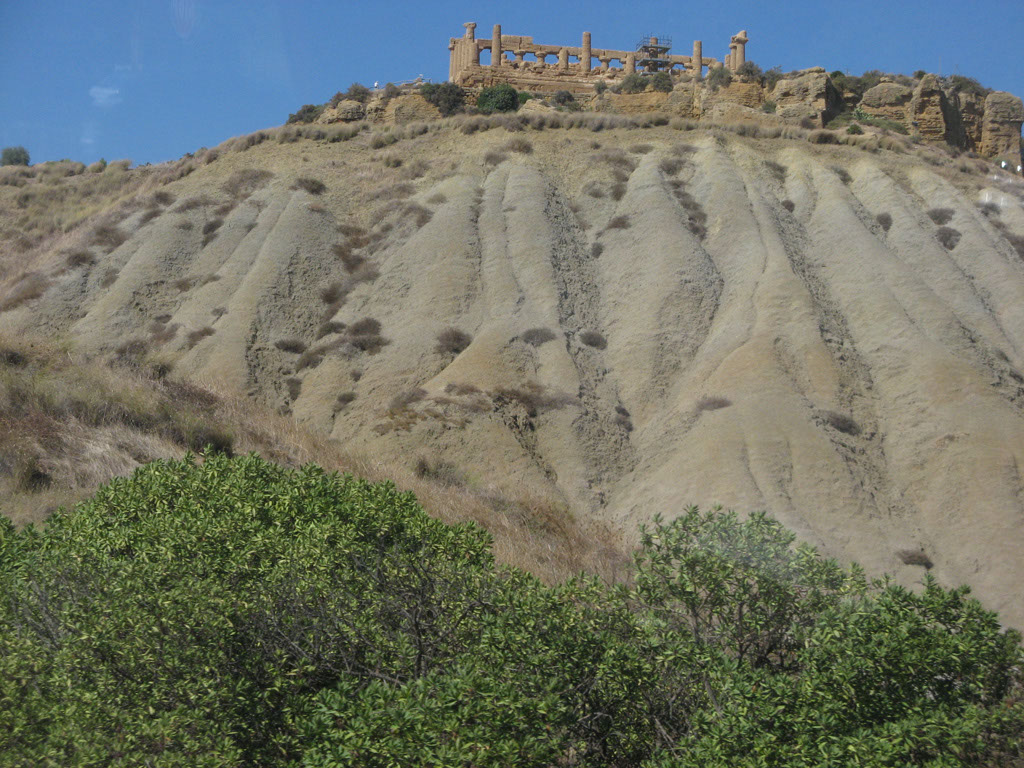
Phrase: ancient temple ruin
(572, 67)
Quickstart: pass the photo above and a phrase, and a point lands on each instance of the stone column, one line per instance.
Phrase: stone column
(470, 30)
(541, 58)
(740, 55)
(606, 62)
(519, 55)
(731, 58)
(585, 53)
(496, 46)
(630, 63)
(563, 59)
(697, 63)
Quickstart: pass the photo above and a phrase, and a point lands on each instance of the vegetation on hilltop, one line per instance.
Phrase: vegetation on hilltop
(233, 612)
(14, 156)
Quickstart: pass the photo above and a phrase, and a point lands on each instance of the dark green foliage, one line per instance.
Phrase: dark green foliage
(634, 83)
(563, 98)
(358, 92)
(235, 613)
(772, 77)
(719, 77)
(498, 98)
(749, 69)
(391, 91)
(307, 113)
(964, 84)
(447, 97)
(14, 156)
(662, 81)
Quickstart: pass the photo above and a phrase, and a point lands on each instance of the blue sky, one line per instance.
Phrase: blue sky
(151, 80)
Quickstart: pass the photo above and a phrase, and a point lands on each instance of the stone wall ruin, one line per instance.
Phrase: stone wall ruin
(553, 68)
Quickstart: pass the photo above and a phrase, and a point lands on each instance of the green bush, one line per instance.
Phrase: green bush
(634, 83)
(772, 77)
(662, 81)
(235, 613)
(498, 98)
(749, 69)
(14, 156)
(358, 92)
(719, 77)
(307, 113)
(447, 97)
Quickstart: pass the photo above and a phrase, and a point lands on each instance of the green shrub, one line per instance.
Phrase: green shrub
(662, 81)
(447, 97)
(563, 98)
(235, 613)
(358, 92)
(719, 77)
(14, 156)
(307, 113)
(854, 129)
(498, 98)
(772, 77)
(749, 69)
(600, 87)
(633, 83)
(769, 107)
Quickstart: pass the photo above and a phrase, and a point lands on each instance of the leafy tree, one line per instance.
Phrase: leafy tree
(232, 612)
(14, 156)
(749, 69)
(498, 98)
(447, 97)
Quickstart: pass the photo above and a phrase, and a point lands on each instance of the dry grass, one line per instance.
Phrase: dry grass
(520, 145)
(619, 222)
(310, 185)
(841, 422)
(29, 286)
(243, 183)
(291, 345)
(915, 557)
(194, 337)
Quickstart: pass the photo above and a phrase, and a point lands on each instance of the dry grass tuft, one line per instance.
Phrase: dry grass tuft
(520, 145)
(243, 183)
(107, 237)
(619, 222)
(884, 220)
(194, 337)
(494, 157)
(291, 345)
(915, 557)
(789, 205)
(310, 185)
(537, 336)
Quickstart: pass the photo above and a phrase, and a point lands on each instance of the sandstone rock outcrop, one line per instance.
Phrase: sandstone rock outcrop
(345, 112)
(1000, 128)
(888, 100)
(810, 94)
(929, 112)
(409, 108)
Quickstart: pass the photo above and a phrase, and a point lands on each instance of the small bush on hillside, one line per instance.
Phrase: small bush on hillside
(713, 403)
(915, 557)
(749, 69)
(769, 107)
(854, 130)
(107, 237)
(948, 236)
(789, 205)
(313, 186)
(968, 85)
(519, 144)
(600, 87)
(619, 222)
(884, 220)
(307, 113)
(842, 422)
(30, 286)
(593, 339)
(633, 83)
(447, 97)
(772, 77)
(357, 92)
(391, 91)
(718, 77)
(452, 341)
(662, 81)
(241, 184)
(843, 174)
(291, 345)
(498, 98)
(537, 336)
(563, 98)
(941, 215)
(194, 337)
(14, 156)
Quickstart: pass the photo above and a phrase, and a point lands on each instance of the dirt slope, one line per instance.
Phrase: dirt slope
(650, 318)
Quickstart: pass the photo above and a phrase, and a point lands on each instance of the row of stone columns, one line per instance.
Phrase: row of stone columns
(733, 61)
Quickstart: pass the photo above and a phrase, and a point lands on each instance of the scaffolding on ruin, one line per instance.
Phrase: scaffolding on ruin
(652, 53)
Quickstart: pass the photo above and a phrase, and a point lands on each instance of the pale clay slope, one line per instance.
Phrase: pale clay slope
(786, 315)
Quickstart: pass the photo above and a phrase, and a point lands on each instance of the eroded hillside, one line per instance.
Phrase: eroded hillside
(632, 320)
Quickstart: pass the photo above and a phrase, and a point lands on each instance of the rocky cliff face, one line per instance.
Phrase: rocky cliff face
(1000, 127)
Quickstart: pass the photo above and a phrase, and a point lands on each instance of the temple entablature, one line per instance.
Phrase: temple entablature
(517, 60)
